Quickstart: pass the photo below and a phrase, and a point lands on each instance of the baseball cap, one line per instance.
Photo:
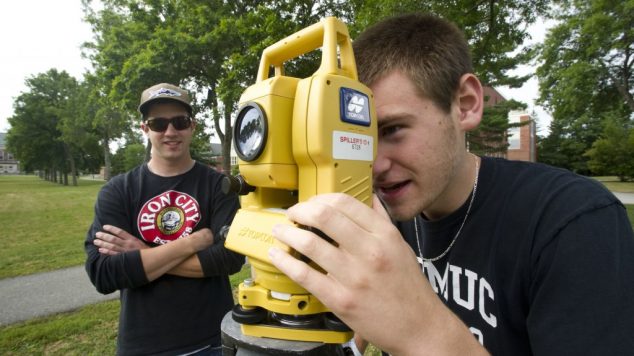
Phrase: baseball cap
(164, 91)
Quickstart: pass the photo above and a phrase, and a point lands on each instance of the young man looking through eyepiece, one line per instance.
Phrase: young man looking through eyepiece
(487, 255)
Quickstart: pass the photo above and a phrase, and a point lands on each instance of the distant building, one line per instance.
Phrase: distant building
(8, 164)
(491, 96)
(216, 149)
(522, 140)
(522, 145)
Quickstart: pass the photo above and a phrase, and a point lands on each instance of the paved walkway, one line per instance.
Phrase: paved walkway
(28, 297)
(41, 294)
(626, 198)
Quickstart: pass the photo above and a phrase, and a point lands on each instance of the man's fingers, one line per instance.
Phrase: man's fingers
(118, 232)
(317, 283)
(103, 245)
(105, 237)
(309, 244)
(377, 205)
(111, 229)
(341, 217)
(355, 210)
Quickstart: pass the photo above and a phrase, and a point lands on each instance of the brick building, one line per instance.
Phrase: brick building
(492, 97)
(522, 140)
(522, 143)
(8, 164)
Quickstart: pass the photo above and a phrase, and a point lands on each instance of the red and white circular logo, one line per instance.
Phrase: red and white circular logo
(168, 217)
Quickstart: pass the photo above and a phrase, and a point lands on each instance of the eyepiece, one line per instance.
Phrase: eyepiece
(236, 185)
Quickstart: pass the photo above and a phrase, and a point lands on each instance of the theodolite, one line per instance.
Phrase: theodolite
(295, 138)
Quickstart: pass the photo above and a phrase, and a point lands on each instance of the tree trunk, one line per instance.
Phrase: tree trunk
(225, 135)
(148, 151)
(106, 158)
(71, 162)
(226, 142)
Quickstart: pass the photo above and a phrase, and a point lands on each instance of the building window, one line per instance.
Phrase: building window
(514, 138)
(514, 132)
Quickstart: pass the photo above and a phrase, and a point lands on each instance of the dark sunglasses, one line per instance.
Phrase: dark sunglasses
(159, 124)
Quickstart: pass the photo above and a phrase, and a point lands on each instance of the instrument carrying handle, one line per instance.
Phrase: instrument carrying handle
(328, 34)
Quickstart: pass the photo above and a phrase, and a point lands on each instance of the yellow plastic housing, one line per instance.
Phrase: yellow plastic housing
(320, 172)
(275, 168)
(325, 336)
(310, 149)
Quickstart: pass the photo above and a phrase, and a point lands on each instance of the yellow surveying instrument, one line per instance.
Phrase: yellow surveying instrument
(296, 138)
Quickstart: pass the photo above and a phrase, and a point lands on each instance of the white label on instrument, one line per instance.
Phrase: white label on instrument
(352, 146)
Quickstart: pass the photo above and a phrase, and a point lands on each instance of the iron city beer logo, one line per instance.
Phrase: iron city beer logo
(167, 217)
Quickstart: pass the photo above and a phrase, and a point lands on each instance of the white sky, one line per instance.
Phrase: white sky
(37, 35)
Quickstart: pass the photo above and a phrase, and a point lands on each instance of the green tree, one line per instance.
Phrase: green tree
(612, 153)
(80, 138)
(585, 76)
(128, 157)
(115, 40)
(490, 138)
(79, 127)
(45, 133)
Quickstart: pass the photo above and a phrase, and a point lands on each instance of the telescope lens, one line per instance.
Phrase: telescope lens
(250, 132)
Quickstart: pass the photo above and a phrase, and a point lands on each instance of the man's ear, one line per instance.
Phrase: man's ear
(144, 127)
(470, 101)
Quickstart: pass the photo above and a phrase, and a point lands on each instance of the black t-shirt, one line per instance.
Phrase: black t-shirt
(544, 264)
(171, 314)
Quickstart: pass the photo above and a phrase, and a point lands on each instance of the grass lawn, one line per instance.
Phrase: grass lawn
(43, 224)
(91, 330)
(613, 184)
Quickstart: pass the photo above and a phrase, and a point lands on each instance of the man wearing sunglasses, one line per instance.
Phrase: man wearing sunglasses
(152, 239)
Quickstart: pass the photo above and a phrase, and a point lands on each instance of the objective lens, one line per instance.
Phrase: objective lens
(250, 129)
